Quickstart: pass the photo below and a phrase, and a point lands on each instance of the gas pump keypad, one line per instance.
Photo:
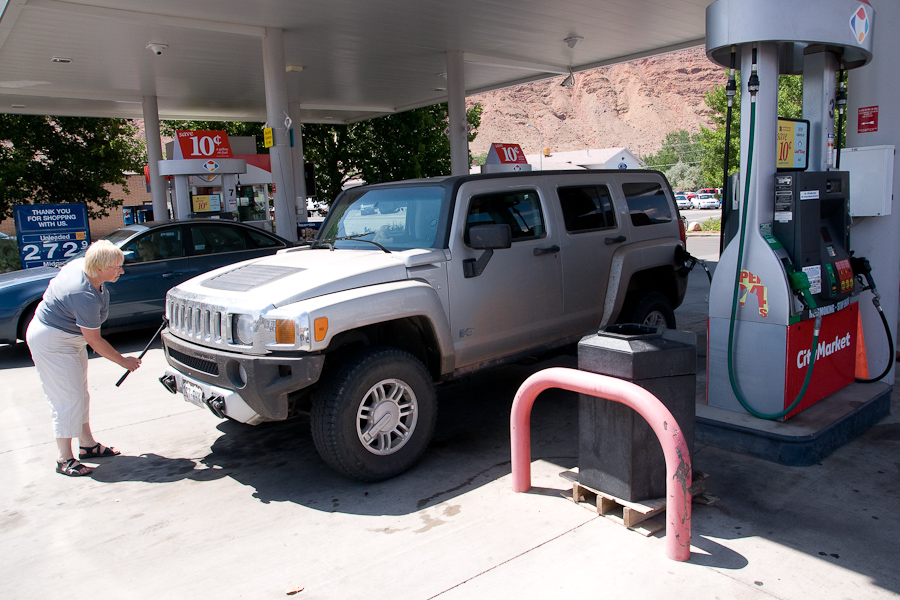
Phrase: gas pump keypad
(845, 275)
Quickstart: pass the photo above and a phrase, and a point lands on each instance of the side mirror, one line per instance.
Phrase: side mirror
(129, 256)
(487, 238)
(490, 237)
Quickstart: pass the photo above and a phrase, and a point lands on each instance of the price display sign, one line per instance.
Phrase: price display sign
(505, 154)
(202, 144)
(206, 203)
(51, 234)
(793, 145)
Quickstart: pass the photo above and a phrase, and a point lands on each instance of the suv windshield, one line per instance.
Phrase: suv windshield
(397, 218)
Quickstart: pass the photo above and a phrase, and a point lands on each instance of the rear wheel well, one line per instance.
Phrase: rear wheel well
(658, 279)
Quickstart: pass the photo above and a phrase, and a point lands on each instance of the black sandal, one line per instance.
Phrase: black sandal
(72, 468)
(95, 452)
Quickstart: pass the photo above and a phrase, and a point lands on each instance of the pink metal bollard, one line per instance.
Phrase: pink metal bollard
(674, 446)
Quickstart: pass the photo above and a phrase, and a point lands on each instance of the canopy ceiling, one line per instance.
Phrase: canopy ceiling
(347, 59)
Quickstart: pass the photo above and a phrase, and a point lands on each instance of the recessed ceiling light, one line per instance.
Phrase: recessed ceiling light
(439, 89)
(293, 68)
(17, 106)
(572, 40)
(60, 59)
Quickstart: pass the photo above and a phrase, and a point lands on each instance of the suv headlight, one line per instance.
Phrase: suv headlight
(242, 329)
(271, 331)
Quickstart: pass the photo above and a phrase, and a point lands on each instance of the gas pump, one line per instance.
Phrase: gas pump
(783, 316)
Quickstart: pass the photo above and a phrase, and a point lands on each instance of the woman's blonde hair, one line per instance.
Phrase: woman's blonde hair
(101, 255)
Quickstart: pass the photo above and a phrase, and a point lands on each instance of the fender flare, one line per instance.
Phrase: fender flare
(359, 307)
(632, 259)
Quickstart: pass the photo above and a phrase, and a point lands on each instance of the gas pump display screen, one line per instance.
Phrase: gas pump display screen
(793, 144)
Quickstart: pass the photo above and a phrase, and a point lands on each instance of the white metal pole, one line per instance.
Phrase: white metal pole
(280, 153)
(154, 155)
(456, 109)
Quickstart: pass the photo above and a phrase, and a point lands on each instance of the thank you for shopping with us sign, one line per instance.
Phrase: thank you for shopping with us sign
(51, 234)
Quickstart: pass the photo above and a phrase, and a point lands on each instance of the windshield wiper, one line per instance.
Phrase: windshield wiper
(358, 237)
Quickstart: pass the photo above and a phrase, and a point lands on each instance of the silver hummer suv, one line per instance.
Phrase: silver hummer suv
(413, 283)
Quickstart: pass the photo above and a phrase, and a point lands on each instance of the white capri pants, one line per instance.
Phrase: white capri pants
(61, 359)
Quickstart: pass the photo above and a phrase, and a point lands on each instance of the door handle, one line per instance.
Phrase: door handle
(171, 274)
(550, 250)
(615, 240)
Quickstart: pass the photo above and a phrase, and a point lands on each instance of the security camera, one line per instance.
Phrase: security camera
(157, 49)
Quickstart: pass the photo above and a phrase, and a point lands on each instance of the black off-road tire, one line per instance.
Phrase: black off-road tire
(384, 386)
(653, 309)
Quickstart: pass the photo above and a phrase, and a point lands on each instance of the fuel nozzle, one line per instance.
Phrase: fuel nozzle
(862, 270)
(800, 286)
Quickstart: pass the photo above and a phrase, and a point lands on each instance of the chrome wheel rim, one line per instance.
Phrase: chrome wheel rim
(655, 319)
(387, 417)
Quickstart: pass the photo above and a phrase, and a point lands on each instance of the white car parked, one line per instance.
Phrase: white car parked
(707, 201)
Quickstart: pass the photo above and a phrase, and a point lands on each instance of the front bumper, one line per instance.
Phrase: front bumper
(262, 382)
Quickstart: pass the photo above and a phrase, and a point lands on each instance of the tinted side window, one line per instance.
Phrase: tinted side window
(157, 245)
(587, 208)
(214, 239)
(261, 240)
(520, 210)
(647, 203)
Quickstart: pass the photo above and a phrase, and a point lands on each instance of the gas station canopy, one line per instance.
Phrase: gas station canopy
(346, 60)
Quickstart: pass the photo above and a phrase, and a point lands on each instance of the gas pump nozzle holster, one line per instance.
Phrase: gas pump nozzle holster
(863, 269)
(800, 285)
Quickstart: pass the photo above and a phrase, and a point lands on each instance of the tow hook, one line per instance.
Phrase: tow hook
(217, 405)
(168, 382)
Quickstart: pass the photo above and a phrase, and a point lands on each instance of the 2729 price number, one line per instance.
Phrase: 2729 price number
(52, 250)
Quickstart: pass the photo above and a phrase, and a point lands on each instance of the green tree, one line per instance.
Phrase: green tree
(679, 147)
(404, 145)
(56, 160)
(712, 140)
(683, 176)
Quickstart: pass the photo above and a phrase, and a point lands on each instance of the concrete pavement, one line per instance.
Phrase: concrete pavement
(196, 507)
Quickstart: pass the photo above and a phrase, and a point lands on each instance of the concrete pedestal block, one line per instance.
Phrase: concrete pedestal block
(618, 451)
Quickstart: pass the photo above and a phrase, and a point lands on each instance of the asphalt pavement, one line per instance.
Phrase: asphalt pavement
(197, 507)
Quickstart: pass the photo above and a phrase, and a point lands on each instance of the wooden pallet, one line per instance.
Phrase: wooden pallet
(636, 516)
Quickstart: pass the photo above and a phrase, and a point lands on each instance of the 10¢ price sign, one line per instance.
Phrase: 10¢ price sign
(51, 234)
(202, 144)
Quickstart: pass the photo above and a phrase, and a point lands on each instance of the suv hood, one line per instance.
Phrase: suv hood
(299, 274)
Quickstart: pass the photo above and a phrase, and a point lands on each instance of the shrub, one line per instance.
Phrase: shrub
(9, 256)
(712, 224)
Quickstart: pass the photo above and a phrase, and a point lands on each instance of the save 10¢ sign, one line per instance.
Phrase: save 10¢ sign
(202, 144)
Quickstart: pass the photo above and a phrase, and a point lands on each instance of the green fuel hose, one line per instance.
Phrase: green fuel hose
(737, 285)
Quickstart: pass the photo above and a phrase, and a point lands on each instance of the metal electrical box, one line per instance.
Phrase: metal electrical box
(871, 179)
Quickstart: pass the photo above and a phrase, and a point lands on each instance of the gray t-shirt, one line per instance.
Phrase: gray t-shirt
(72, 302)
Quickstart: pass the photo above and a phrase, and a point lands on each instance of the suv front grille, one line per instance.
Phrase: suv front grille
(196, 321)
(198, 364)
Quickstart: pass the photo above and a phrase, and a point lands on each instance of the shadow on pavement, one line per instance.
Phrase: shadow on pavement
(470, 448)
(150, 468)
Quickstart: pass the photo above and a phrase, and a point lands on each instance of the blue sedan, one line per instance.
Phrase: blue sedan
(158, 256)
